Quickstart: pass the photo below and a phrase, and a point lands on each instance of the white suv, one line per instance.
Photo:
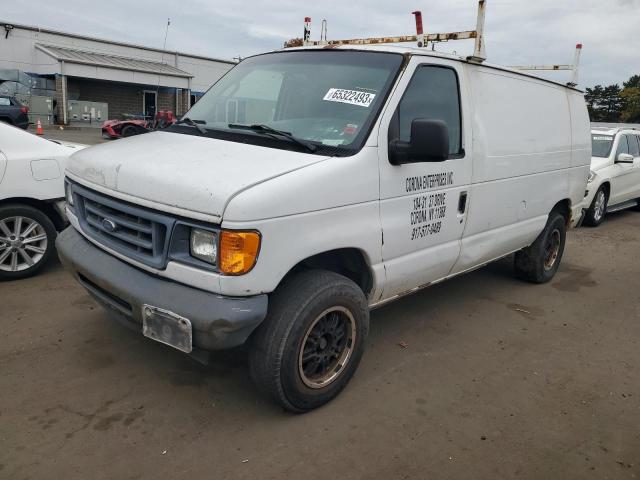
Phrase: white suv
(614, 181)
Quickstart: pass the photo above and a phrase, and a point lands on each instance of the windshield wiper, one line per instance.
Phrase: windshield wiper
(193, 123)
(267, 130)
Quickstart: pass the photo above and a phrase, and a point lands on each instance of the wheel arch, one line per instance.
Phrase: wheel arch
(563, 207)
(45, 207)
(607, 188)
(352, 263)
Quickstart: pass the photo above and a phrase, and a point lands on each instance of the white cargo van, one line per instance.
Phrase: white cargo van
(311, 185)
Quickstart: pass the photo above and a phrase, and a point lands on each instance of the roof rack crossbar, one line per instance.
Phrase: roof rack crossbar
(573, 67)
(420, 37)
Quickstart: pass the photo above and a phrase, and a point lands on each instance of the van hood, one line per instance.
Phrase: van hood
(185, 174)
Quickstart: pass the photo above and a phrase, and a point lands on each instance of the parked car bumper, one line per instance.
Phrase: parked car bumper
(217, 321)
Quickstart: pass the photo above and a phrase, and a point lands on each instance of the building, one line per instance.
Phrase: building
(83, 77)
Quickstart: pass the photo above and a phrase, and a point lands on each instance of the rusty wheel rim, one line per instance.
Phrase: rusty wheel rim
(327, 347)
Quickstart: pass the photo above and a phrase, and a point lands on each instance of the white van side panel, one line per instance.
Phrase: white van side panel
(522, 156)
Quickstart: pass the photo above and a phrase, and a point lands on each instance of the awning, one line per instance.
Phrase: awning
(86, 57)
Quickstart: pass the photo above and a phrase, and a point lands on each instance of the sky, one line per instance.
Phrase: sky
(518, 32)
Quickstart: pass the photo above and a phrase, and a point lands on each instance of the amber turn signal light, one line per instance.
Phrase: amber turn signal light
(238, 251)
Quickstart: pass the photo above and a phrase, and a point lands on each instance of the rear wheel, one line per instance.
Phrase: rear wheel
(539, 262)
(310, 344)
(27, 239)
(598, 208)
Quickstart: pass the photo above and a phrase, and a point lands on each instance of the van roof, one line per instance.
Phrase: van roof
(404, 50)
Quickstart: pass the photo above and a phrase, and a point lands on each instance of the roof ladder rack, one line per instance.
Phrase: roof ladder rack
(422, 39)
(574, 67)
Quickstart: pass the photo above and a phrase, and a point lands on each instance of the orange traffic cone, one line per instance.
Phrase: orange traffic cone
(39, 130)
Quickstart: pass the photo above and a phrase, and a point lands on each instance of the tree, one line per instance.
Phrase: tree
(633, 82)
(604, 103)
(631, 98)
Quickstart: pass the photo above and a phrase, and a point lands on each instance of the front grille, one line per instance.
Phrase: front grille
(138, 233)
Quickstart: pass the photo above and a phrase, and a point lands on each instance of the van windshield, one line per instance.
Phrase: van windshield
(601, 145)
(328, 98)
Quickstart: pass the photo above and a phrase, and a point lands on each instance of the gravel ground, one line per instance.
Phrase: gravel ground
(495, 379)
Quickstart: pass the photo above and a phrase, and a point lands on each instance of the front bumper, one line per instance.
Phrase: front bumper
(218, 322)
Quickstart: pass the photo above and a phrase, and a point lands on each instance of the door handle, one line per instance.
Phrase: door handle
(462, 202)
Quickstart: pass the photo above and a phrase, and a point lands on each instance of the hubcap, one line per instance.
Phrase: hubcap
(552, 249)
(327, 347)
(23, 242)
(598, 210)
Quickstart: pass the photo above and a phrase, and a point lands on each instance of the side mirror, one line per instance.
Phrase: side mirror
(624, 158)
(429, 142)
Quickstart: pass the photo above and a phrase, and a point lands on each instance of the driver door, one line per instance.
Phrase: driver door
(423, 205)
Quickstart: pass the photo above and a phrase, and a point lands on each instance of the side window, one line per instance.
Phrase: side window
(433, 93)
(623, 146)
(4, 102)
(634, 149)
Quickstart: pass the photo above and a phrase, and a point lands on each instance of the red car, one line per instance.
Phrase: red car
(128, 128)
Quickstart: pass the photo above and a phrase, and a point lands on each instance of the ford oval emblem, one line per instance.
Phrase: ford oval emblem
(109, 225)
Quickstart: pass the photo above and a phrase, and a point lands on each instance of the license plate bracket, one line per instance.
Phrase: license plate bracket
(167, 327)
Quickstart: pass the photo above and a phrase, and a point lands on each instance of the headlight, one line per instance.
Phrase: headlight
(592, 175)
(204, 245)
(67, 193)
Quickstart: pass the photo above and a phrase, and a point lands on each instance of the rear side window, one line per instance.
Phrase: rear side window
(4, 102)
(433, 93)
(634, 148)
(623, 146)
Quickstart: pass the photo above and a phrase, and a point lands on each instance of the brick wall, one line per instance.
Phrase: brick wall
(122, 98)
(57, 112)
(184, 101)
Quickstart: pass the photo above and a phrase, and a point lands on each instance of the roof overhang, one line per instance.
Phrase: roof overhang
(78, 63)
(86, 57)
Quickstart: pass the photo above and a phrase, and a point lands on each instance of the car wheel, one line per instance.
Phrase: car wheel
(310, 344)
(27, 238)
(539, 262)
(598, 209)
(130, 131)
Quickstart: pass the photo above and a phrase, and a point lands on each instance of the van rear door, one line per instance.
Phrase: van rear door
(423, 204)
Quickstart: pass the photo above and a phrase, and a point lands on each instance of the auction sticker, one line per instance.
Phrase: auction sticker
(352, 97)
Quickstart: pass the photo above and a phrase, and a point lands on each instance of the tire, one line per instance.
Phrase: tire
(598, 208)
(24, 257)
(130, 131)
(539, 262)
(302, 313)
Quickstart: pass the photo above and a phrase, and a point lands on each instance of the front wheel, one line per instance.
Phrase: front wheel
(27, 239)
(310, 344)
(539, 262)
(130, 131)
(598, 209)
